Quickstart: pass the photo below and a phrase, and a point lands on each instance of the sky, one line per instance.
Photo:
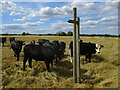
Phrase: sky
(51, 17)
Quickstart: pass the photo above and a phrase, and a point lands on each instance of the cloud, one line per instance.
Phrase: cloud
(109, 19)
(23, 19)
(14, 13)
(64, 0)
(86, 18)
(7, 5)
(44, 19)
(49, 12)
(34, 27)
(33, 23)
(88, 27)
(112, 20)
(83, 8)
(90, 22)
(61, 26)
(19, 28)
(94, 16)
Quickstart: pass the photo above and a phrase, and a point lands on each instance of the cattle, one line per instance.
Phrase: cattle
(56, 50)
(59, 48)
(42, 41)
(16, 46)
(3, 40)
(86, 49)
(55, 46)
(62, 48)
(38, 53)
(11, 39)
(62, 45)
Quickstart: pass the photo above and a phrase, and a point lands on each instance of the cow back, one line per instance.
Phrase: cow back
(39, 53)
(87, 48)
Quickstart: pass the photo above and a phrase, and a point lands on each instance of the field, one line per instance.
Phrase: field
(102, 72)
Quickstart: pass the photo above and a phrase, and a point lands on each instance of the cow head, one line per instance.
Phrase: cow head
(98, 47)
(21, 43)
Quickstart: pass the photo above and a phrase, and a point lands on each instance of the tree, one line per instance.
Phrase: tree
(69, 33)
(23, 33)
(61, 34)
(28, 33)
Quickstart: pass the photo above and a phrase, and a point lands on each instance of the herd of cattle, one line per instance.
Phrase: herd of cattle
(48, 51)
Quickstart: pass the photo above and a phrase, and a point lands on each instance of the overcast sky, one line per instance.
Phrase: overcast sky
(51, 17)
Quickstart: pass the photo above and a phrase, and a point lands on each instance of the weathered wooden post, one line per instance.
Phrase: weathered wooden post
(76, 47)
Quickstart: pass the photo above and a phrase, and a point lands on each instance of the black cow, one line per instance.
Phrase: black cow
(39, 53)
(42, 41)
(62, 48)
(17, 47)
(62, 45)
(56, 46)
(12, 39)
(86, 49)
(3, 40)
(59, 49)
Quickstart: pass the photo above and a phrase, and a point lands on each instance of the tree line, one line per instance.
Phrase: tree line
(50, 34)
(69, 33)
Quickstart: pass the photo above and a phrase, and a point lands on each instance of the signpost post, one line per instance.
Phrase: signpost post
(76, 47)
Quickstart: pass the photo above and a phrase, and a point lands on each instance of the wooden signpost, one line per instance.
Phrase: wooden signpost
(76, 47)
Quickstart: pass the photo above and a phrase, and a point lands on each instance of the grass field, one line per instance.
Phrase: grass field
(102, 72)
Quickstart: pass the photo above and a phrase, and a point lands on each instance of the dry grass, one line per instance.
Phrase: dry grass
(101, 73)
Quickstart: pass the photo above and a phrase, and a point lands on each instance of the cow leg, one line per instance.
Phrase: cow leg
(60, 58)
(56, 59)
(24, 62)
(71, 55)
(90, 58)
(47, 66)
(3, 44)
(51, 63)
(30, 62)
(86, 56)
(15, 55)
(18, 55)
